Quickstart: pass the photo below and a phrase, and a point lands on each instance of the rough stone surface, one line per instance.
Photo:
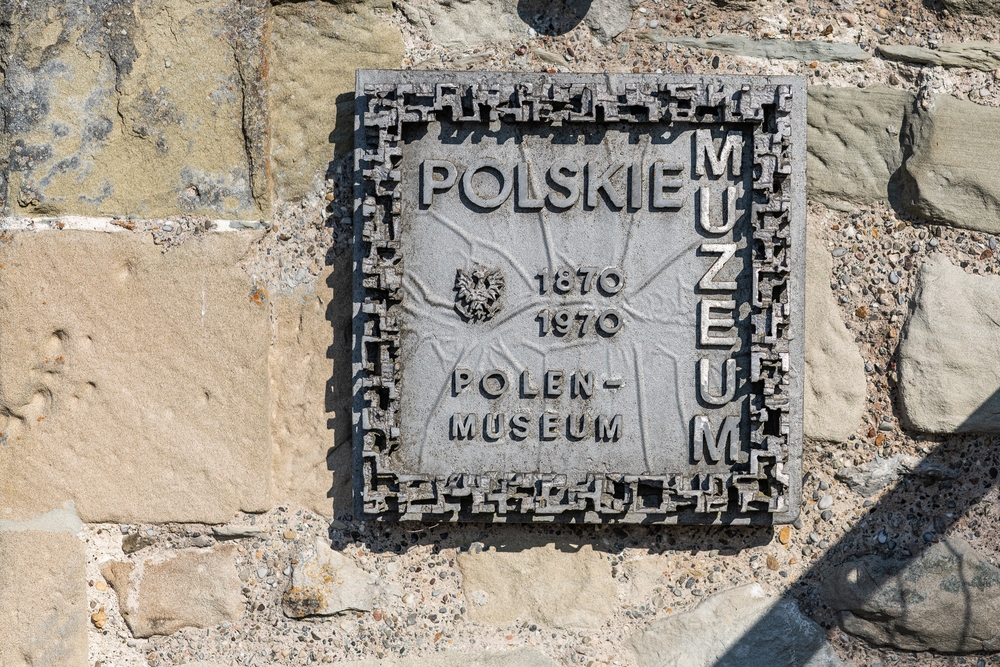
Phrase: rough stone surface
(568, 589)
(872, 477)
(302, 382)
(516, 658)
(835, 387)
(853, 145)
(43, 595)
(977, 7)
(983, 56)
(189, 588)
(147, 109)
(132, 381)
(946, 599)
(608, 18)
(325, 582)
(949, 176)
(465, 24)
(748, 626)
(316, 47)
(948, 379)
(777, 49)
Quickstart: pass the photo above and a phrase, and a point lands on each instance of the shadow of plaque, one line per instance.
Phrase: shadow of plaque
(578, 298)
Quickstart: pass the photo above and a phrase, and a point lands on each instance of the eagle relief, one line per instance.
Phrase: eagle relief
(478, 293)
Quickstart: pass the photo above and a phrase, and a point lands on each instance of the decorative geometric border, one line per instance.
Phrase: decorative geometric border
(766, 488)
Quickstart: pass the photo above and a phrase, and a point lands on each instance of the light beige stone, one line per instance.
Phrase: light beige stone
(43, 598)
(315, 49)
(132, 381)
(560, 588)
(836, 388)
(184, 588)
(310, 327)
(949, 381)
(519, 657)
(146, 109)
(326, 582)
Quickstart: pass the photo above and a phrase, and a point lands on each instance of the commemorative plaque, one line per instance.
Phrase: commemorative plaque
(578, 297)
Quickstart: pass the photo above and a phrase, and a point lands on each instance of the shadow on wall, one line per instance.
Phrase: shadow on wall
(553, 17)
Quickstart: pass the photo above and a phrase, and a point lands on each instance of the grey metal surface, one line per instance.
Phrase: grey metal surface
(530, 319)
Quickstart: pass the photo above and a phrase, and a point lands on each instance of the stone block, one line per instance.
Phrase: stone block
(315, 49)
(749, 626)
(545, 585)
(984, 56)
(949, 175)
(946, 599)
(185, 588)
(326, 582)
(836, 387)
(949, 381)
(144, 109)
(43, 595)
(132, 381)
(977, 7)
(853, 143)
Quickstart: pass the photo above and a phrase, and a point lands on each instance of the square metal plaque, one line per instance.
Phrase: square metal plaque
(578, 297)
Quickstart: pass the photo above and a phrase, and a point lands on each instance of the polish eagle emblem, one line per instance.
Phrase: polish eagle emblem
(478, 293)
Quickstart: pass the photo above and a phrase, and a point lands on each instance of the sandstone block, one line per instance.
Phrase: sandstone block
(946, 599)
(835, 387)
(949, 381)
(552, 587)
(749, 626)
(983, 56)
(132, 381)
(315, 49)
(853, 141)
(462, 25)
(326, 582)
(186, 588)
(520, 657)
(136, 109)
(948, 176)
(978, 7)
(43, 595)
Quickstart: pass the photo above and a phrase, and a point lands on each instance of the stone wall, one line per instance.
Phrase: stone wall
(175, 462)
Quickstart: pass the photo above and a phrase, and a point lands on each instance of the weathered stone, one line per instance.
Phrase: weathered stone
(470, 23)
(56, 520)
(978, 7)
(520, 657)
(835, 387)
(545, 585)
(132, 381)
(43, 595)
(853, 145)
(185, 588)
(148, 109)
(608, 18)
(777, 49)
(326, 582)
(983, 56)
(872, 477)
(948, 379)
(301, 373)
(946, 599)
(316, 47)
(749, 626)
(948, 176)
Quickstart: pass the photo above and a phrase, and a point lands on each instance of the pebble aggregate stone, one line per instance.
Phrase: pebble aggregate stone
(422, 607)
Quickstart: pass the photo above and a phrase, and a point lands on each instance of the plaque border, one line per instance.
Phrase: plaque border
(765, 489)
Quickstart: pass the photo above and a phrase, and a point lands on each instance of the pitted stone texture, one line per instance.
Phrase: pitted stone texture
(946, 599)
(749, 626)
(302, 379)
(949, 176)
(556, 587)
(43, 598)
(468, 23)
(978, 7)
(185, 588)
(948, 379)
(836, 387)
(315, 48)
(133, 382)
(854, 147)
(145, 109)
(326, 582)
(521, 657)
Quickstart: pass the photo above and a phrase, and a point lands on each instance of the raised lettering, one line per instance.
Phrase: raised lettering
(524, 185)
(704, 370)
(705, 442)
(661, 182)
(609, 429)
(519, 425)
(583, 384)
(603, 182)
(549, 428)
(527, 391)
(726, 251)
(567, 182)
(506, 182)
(553, 383)
(635, 185)
(578, 426)
(429, 185)
(493, 424)
(494, 383)
(463, 426)
(707, 322)
(731, 151)
(705, 213)
(461, 378)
